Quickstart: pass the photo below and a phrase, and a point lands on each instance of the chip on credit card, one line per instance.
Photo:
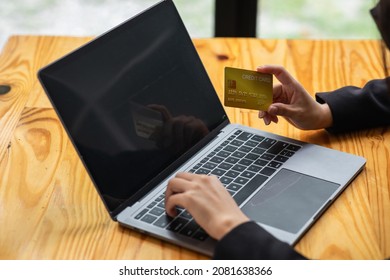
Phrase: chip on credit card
(247, 89)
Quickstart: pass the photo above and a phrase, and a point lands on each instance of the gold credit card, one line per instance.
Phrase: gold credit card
(247, 89)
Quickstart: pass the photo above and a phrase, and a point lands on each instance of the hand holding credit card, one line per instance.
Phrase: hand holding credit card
(247, 89)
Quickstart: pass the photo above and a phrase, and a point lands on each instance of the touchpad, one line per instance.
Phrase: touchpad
(289, 200)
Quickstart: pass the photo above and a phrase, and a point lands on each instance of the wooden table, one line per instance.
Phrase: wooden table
(50, 210)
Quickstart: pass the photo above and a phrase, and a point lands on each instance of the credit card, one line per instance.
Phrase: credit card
(247, 89)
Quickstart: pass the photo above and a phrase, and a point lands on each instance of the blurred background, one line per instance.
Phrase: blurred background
(327, 19)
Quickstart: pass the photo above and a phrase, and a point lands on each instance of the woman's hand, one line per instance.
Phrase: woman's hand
(294, 103)
(207, 200)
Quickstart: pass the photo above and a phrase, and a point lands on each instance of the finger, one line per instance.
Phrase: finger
(174, 200)
(187, 176)
(274, 118)
(261, 114)
(267, 119)
(277, 92)
(279, 72)
(177, 185)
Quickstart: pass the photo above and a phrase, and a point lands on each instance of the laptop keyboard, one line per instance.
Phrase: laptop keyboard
(242, 163)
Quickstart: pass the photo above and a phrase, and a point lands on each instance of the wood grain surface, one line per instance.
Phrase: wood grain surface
(49, 208)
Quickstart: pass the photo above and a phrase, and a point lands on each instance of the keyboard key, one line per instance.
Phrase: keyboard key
(294, 148)
(223, 154)
(163, 221)
(157, 211)
(218, 149)
(232, 160)
(254, 168)
(148, 218)
(200, 235)
(232, 173)
(245, 162)
(261, 162)
(186, 214)
(247, 174)
(177, 224)
(241, 180)
(239, 154)
(224, 143)
(216, 159)
(140, 214)
(234, 187)
(257, 138)
(249, 188)
(152, 204)
(202, 171)
(252, 156)
(267, 143)
(190, 229)
(251, 143)
(281, 158)
(267, 156)
(160, 197)
(230, 148)
(197, 166)
(274, 164)
(259, 151)
(211, 154)
(218, 172)
(209, 165)
(244, 136)
(277, 148)
(245, 149)
(267, 171)
(237, 143)
(225, 180)
(287, 153)
(225, 166)
(239, 168)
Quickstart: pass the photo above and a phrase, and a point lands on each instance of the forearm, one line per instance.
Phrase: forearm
(355, 108)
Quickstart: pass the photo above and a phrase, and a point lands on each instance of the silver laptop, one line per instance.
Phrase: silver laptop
(139, 107)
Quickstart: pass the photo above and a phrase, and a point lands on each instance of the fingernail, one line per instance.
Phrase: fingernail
(273, 110)
(261, 114)
(267, 121)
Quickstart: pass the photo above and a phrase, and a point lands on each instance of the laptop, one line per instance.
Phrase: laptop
(139, 107)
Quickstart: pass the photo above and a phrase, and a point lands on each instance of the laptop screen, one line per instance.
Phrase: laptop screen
(134, 100)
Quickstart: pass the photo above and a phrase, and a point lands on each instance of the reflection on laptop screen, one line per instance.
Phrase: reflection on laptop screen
(133, 101)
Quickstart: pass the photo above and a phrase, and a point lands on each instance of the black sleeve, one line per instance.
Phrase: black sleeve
(356, 108)
(249, 241)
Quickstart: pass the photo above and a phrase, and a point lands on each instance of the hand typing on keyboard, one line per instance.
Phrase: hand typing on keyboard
(207, 200)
